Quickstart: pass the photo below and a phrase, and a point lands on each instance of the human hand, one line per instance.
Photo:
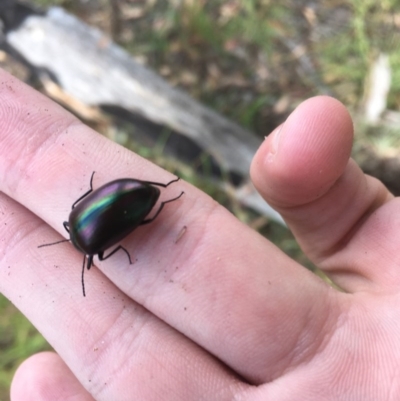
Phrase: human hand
(222, 314)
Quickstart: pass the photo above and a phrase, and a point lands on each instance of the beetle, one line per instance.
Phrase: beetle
(101, 218)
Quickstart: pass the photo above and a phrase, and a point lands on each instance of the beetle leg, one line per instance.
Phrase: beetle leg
(102, 257)
(160, 184)
(160, 208)
(66, 226)
(89, 265)
(86, 193)
(89, 261)
(54, 243)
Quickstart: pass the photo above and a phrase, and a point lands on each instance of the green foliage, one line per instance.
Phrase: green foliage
(360, 22)
(18, 340)
(259, 23)
(49, 3)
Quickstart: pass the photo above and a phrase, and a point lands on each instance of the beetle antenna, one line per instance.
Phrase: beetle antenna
(54, 243)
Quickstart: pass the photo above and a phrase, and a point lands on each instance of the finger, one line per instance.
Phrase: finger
(45, 377)
(113, 346)
(304, 171)
(218, 279)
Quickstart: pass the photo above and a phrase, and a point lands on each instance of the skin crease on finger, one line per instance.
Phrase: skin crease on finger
(221, 319)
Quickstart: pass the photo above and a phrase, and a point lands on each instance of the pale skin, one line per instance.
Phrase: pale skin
(222, 314)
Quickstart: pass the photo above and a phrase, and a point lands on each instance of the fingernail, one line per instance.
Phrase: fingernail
(276, 135)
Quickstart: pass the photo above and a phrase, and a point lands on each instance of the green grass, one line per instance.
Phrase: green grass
(18, 340)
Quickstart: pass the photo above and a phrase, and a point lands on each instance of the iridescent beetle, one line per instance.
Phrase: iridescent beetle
(101, 218)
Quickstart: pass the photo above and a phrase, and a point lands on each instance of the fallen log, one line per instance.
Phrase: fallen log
(92, 71)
